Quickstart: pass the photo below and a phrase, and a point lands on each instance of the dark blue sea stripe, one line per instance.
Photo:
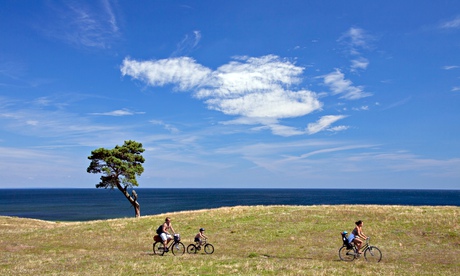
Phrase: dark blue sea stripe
(92, 204)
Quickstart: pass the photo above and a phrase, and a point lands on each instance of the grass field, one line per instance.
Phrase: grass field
(248, 240)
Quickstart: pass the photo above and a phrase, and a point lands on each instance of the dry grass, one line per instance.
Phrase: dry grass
(255, 240)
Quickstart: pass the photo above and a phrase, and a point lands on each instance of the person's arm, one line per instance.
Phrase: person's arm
(172, 229)
(361, 234)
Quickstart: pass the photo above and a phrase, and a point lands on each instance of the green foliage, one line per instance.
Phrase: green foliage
(119, 165)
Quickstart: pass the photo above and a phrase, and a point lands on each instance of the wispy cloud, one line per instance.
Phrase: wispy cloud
(188, 44)
(339, 85)
(398, 103)
(450, 67)
(360, 63)
(58, 125)
(83, 25)
(326, 150)
(168, 127)
(323, 123)
(119, 112)
(361, 108)
(355, 39)
(451, 24)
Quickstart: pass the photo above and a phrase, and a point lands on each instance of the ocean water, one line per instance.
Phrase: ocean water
(95, 204)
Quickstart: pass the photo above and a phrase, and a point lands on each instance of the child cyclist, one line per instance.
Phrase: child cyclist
(199, 237)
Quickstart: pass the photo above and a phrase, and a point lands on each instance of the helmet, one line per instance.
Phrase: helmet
(201, 229)
(344, 232)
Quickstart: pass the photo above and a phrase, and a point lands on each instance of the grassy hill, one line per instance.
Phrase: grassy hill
(248, 240)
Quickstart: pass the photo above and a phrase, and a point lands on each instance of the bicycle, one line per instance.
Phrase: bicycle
(176, 247)
(348, 252)
(194, 248)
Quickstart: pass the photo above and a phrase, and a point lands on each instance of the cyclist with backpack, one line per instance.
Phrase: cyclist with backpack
(164, 232)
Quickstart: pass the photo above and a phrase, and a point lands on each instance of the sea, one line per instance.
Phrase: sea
(99, 204)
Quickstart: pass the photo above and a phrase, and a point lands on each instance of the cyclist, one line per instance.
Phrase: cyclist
(163, 231)
(199, 237)
(357, 236)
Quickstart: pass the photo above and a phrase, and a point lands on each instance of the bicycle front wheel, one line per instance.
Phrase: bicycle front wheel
(158, 248)
(346, 255)
(373, 254)
(209, 248)
(191, 249)
(178, 248)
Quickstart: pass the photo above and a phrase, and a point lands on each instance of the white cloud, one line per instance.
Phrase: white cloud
(455, 88)
(360, 63)
(364, 107)
(257, 90)
(339, 85)
(338, 128)
(183, 72)
(355, 38)
(450, 67)
(323, 123)
(249, 75)
(32, 122)
(285, 131)
(119, 112)
(254, 88)
(271, 104)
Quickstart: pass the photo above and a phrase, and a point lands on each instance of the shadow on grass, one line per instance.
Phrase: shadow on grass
(280, 257)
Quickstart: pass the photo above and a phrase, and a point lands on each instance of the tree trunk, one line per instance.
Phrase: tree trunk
(137, 209)
(134, 203)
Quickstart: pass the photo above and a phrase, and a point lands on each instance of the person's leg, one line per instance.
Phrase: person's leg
(358, 243)
(164, 237)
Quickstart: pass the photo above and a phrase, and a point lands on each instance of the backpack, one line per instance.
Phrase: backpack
(345, 240)
(160, 230)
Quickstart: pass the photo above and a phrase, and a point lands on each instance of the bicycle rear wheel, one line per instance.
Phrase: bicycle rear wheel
(178, 248)
(209, 248)
(191, 249)
(346, 255)
(373, 254)
(158, 248)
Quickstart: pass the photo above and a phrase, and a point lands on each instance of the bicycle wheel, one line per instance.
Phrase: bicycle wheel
(178, 248)
(373, 254)
(346, 255)
(158, 248)
(191, 249)
(209, 248)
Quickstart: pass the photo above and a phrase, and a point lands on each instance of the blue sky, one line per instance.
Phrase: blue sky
(250, 94)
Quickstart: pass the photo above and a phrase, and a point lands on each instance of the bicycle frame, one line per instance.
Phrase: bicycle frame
(202, 243)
